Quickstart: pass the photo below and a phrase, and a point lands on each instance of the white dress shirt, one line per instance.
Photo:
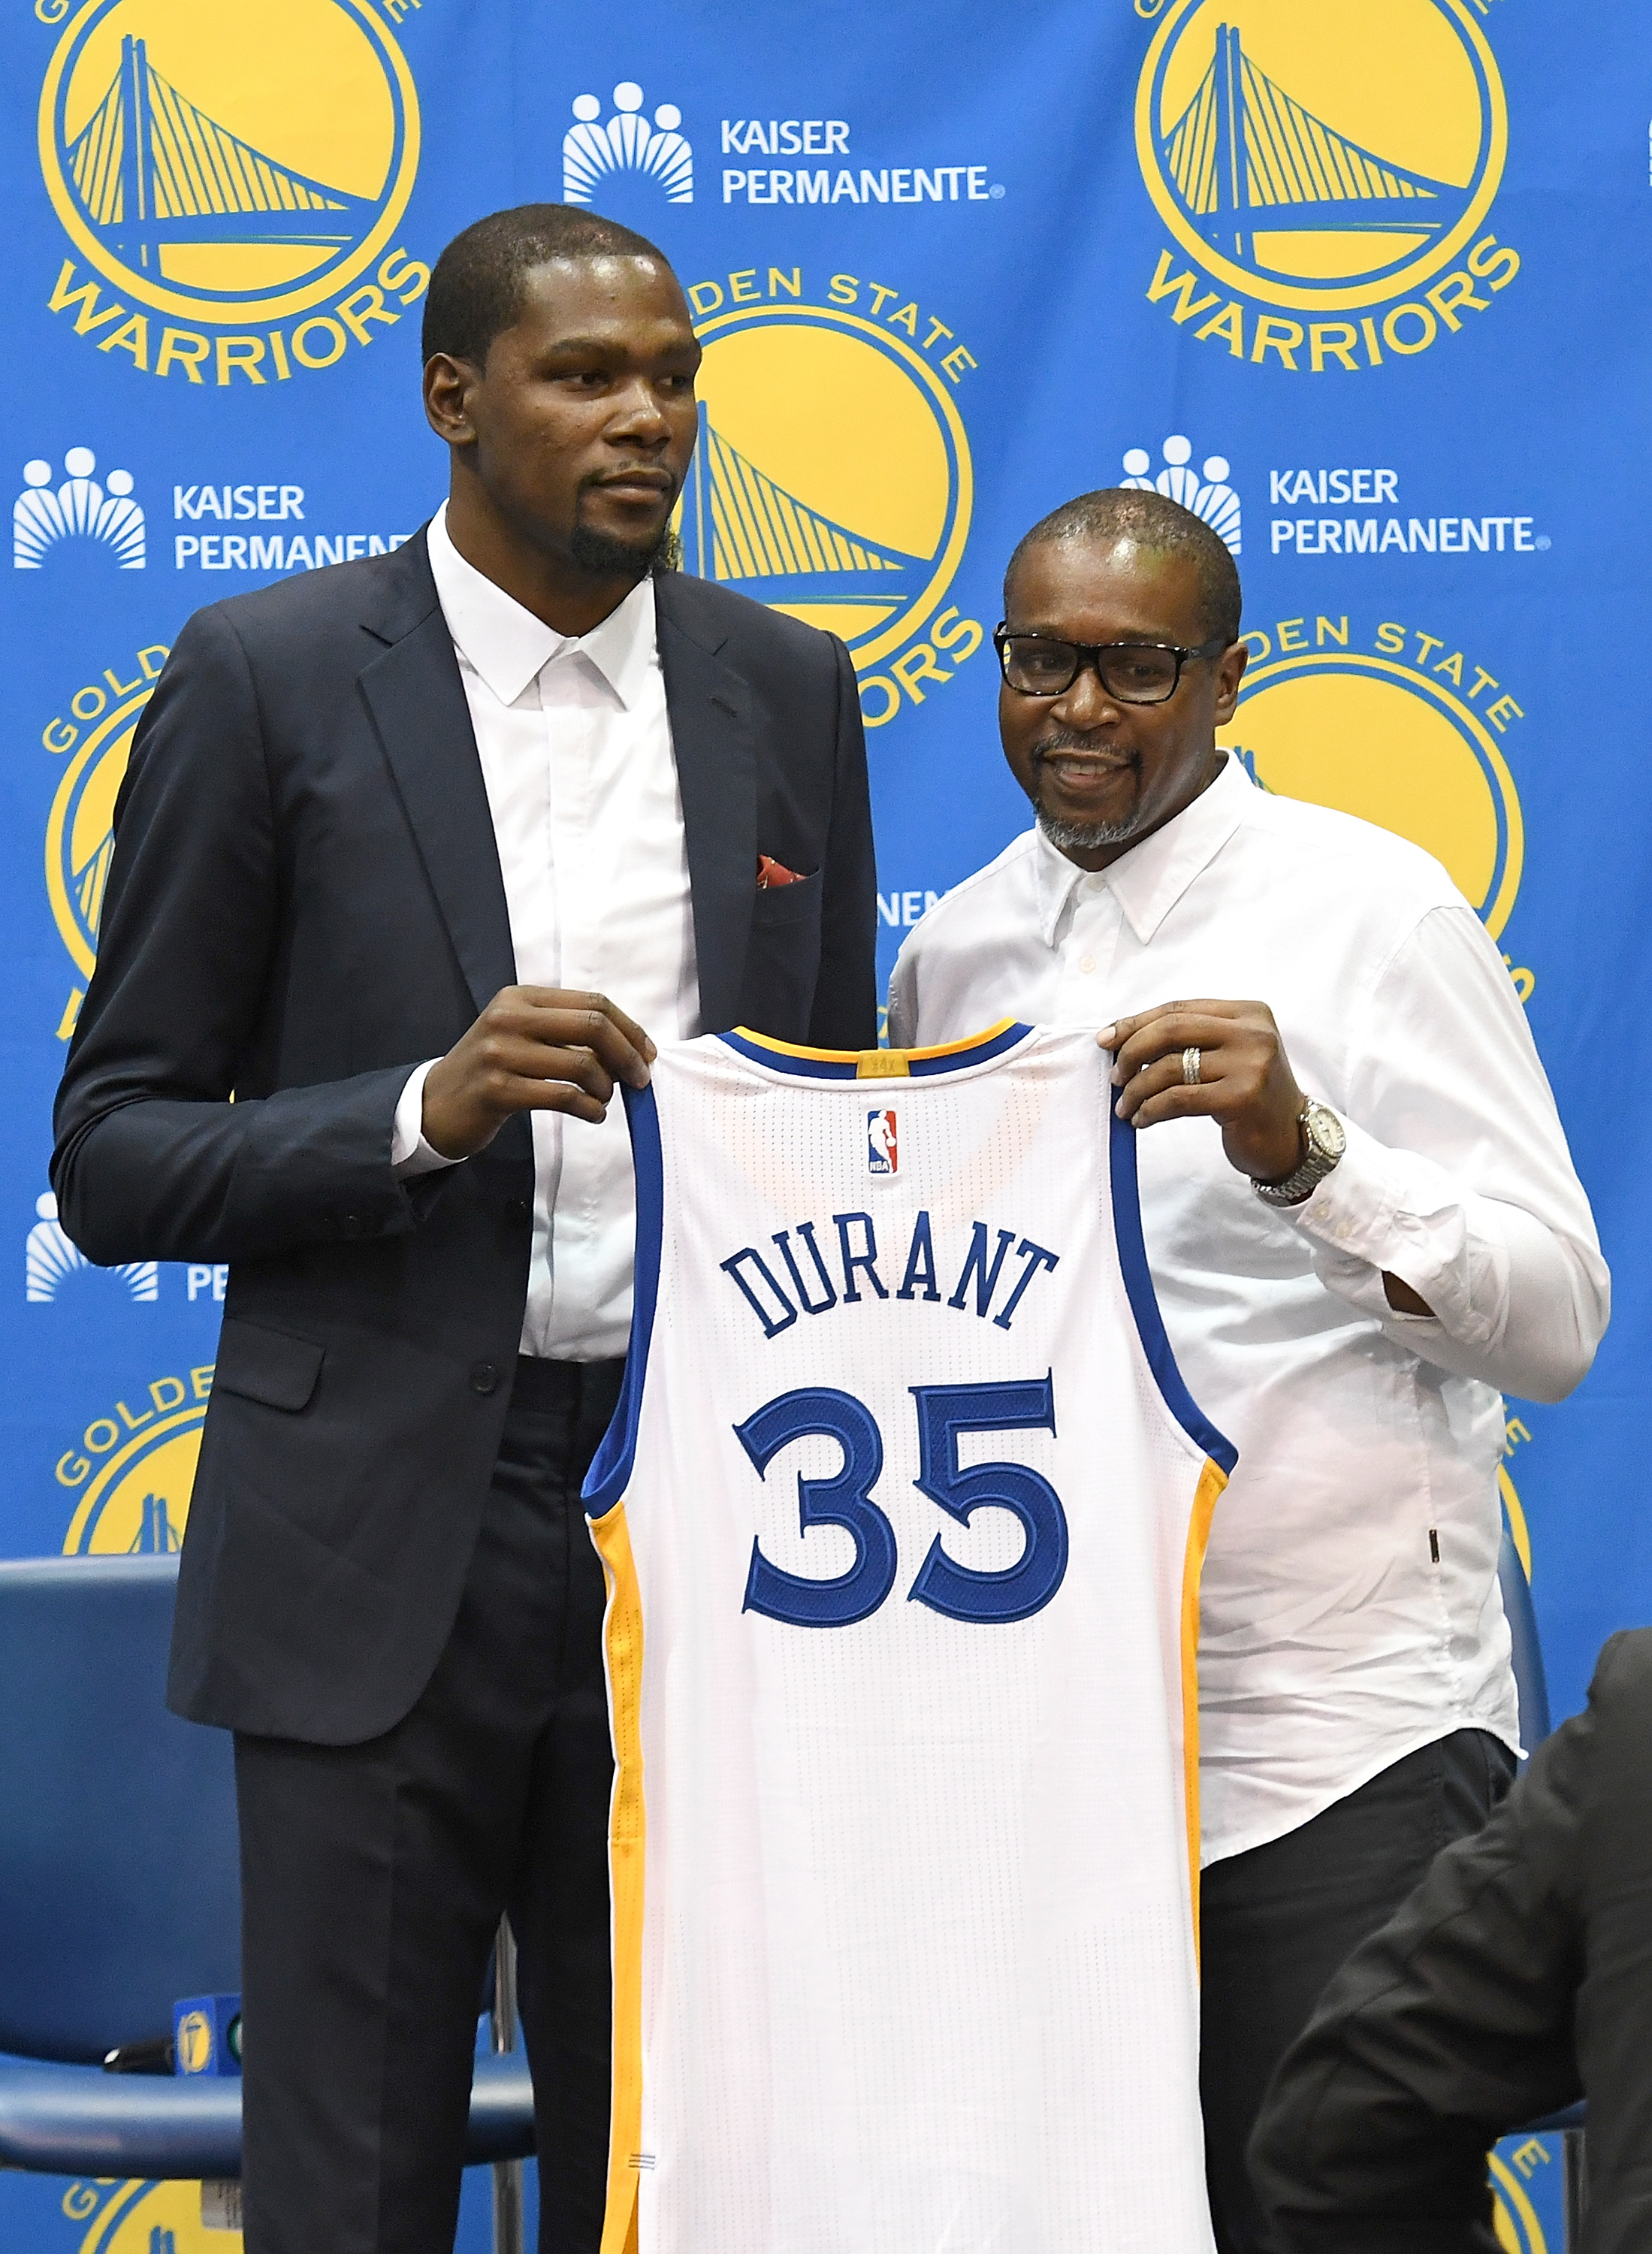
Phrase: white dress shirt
(1350, 1610)
(575, 744)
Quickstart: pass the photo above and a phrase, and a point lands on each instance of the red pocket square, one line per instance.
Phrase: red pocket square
(771, 873)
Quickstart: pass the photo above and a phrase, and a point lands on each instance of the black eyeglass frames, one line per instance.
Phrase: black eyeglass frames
(1134, 672)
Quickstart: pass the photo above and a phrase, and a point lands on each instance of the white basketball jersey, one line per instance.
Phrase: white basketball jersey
(902, 1513)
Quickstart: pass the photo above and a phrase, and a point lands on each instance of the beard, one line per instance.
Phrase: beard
(1083, 836)
(1065, 835)
(605, 557)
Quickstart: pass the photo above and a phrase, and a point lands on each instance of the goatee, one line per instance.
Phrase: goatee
(604, 557)
(1083, 836)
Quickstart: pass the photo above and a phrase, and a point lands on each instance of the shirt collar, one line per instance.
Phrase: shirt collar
(508, 645)
(1149, 880)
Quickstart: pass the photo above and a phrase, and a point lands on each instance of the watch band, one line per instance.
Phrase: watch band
(1323, 1144)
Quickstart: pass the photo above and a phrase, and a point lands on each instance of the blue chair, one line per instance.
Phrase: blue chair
(120, 1887)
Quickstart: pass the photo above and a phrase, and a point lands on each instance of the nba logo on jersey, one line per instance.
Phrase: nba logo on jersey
(883, 1146)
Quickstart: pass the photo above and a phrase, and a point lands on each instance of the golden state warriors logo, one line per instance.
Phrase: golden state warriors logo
(80, 832)
(144, 2218)
(1324, 160)
(131, 1468)
(832, 480)
(233, 166)
(1515, 2218)
(92, 734)
(1375, 736)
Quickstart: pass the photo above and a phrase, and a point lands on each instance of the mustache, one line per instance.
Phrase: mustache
(597, 480)
(1069, 739)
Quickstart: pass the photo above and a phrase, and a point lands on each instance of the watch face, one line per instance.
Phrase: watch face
(1325, 1131)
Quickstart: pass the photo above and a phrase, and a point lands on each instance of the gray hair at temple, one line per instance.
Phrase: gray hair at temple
(1152, 521)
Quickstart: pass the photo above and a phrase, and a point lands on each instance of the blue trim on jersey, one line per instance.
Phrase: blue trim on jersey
(822, 1066)
(1138, 1284)
(923, 1068)
(610, 1472)
(845, 1064)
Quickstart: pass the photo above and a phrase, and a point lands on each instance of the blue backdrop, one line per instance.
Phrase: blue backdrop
(1360, 281)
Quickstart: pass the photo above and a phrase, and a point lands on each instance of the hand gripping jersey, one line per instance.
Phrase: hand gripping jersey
(902, 1513)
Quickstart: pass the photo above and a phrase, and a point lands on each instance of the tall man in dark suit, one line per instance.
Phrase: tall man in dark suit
(384, 829)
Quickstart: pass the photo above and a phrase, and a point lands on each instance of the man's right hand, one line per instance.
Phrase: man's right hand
(534, 1048)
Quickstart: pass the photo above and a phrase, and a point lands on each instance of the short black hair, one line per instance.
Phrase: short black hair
(476, 289)
(1163, 526)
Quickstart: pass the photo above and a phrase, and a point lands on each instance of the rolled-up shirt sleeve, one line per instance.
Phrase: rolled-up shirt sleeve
(1457, 1178)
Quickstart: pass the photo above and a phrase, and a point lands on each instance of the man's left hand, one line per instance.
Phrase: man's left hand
(1245, 1082)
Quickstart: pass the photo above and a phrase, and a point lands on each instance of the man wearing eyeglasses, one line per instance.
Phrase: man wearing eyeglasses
(1384, 1233)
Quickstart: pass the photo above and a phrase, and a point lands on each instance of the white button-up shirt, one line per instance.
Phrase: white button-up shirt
(1350, 1610)
(575, 744)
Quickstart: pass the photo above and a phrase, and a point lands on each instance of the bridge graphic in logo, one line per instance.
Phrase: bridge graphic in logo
(1244, 155)
(832, 477)
(1312, 163)
(741, 526)
(150, 168)
(246, 166)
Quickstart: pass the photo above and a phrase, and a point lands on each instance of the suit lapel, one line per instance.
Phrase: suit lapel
(416, 701)
(711, 739)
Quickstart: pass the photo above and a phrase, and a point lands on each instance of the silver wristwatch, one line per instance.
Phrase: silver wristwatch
(1323, 1144)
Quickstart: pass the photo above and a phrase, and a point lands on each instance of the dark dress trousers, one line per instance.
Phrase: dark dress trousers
(305, 903)
(1516, 1979)
(388, 1590)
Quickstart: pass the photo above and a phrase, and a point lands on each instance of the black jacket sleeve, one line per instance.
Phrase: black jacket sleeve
(845, 1012)
(1449, 2028)
(154, 1160)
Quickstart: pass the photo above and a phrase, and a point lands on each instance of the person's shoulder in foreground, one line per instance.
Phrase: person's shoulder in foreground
(1516, 1980)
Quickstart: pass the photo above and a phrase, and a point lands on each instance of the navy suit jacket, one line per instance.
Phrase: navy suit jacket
(304, 902)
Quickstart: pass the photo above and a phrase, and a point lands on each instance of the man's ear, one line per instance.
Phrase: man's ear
(449, 386)
(1231, 668)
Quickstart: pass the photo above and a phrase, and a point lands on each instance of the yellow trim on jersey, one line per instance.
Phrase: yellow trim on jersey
(876, 1064)
(1212, 1480)
(622, 1644)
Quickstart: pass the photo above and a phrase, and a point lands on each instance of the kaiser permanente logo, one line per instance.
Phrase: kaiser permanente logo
(835, 181)
(833, 478)
(80, 511)
(1336, 165)
(1375, 528)
(237, 174)
(626, 144)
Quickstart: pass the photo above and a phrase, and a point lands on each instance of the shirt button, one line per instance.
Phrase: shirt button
(484, 1377)
(1086, 963)
(351, 1225)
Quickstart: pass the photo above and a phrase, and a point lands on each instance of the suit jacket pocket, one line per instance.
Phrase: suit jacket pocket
(273, 1366)
(782, 961)
(778, 908)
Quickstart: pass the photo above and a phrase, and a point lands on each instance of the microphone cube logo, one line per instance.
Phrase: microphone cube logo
(883, 1144)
